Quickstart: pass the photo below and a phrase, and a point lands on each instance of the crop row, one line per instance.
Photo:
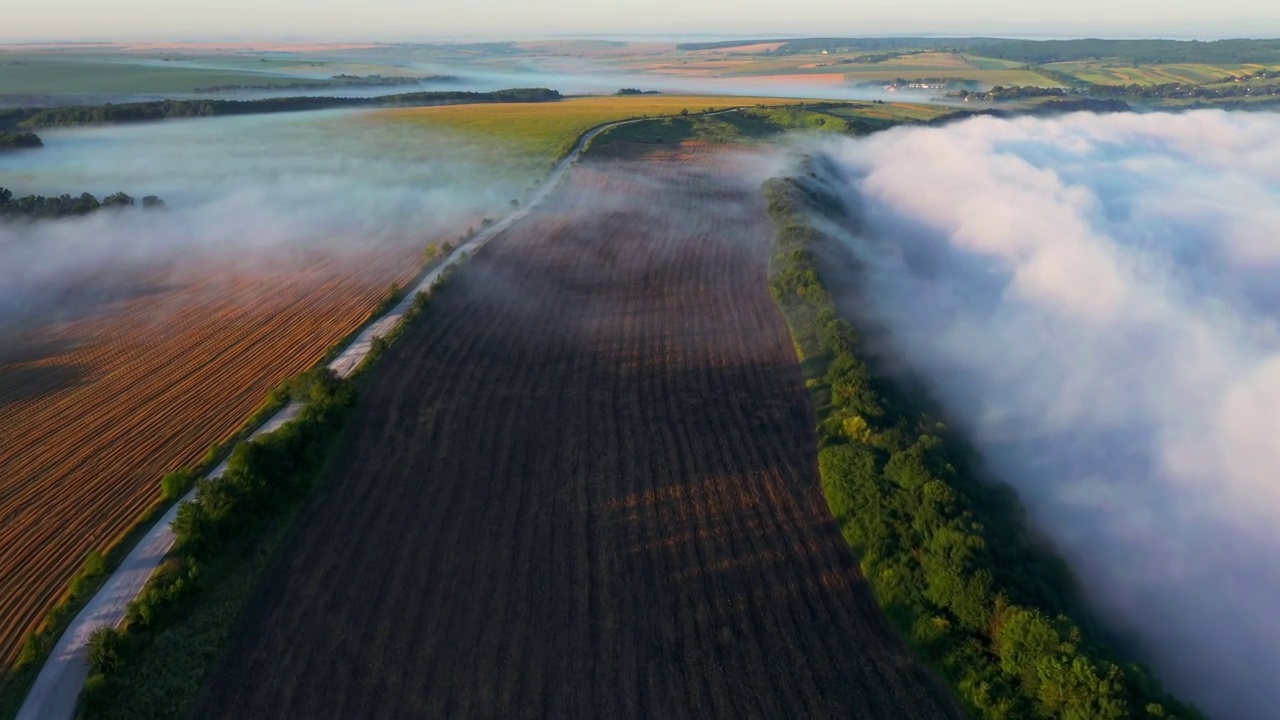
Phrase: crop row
(153, 389)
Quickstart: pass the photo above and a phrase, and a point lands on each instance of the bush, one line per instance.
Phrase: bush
(95, 566)
(97, 695)
(104, 650)
(176, 484)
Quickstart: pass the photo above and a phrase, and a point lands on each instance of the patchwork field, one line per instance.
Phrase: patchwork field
(41, 75)
(94, 410)
(582, 485)
(728, 64)
(1120, 74)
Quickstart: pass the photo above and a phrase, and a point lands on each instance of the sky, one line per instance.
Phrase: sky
(403, 19)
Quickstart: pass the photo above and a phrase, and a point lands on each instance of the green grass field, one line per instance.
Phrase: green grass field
(910, 66)
(890, 112)
(985, 63)
(540, 133)
(549, 130)
(1105, 73)
(742, 126)
(757, 123)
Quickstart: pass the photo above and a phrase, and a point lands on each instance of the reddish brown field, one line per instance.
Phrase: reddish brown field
(582, 485)
(94, 412)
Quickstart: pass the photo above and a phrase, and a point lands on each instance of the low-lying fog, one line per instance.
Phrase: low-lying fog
(328, 181)
(569, 76)
(1095, 298)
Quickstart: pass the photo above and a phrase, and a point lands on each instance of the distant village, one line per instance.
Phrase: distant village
(919, 84)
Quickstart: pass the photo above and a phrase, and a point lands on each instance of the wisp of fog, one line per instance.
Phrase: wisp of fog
(326, 182)
(1094, 299)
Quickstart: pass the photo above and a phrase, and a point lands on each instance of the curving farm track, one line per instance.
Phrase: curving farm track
(89, 425)
(582, 485)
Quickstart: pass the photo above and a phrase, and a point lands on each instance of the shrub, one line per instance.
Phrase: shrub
(104, 650)
(176, 484)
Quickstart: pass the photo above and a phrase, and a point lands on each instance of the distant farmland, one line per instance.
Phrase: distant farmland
(1103, 73)
(854, 68)
(45, 75)
(550, 129)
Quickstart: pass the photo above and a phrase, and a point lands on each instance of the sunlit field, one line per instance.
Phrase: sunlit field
(551, 129)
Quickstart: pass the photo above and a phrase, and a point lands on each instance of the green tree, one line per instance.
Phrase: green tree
(104, 650)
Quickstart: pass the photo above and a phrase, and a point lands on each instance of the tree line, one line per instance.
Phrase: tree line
(1134, 91)
(19, 141)
(154, 664)
(949, 557)
(35, 118)
(35, 207)
(263, 478)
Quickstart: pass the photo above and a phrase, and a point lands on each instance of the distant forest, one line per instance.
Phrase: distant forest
(32, 118)
(1037, 52)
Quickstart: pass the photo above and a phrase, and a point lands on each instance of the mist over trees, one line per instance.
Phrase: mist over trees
(37, 207)
(950, 558)
(1092, 298)
(19, 141)
(165, 109)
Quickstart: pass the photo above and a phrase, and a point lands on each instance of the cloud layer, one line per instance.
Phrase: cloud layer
(1095, 299)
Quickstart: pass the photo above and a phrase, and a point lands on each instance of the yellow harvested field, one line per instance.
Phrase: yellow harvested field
(551, 129)
(931, 60)
(984, 77)
(1119, 74)
(743, 49)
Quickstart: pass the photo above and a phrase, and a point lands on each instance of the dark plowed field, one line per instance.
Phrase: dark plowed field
(583, 485)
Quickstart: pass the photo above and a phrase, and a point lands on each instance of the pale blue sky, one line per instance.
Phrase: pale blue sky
(402, 19)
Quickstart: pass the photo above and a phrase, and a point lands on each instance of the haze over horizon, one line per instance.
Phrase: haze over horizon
(65, 20)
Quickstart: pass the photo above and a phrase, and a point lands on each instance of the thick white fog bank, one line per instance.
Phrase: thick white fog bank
(1095, 299)
(328, 182)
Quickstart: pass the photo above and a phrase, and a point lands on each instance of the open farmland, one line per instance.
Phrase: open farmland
(94, 410)
(1103, 73)
(852, 68)
(549, 130)
(582, 485)
(39, 75)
